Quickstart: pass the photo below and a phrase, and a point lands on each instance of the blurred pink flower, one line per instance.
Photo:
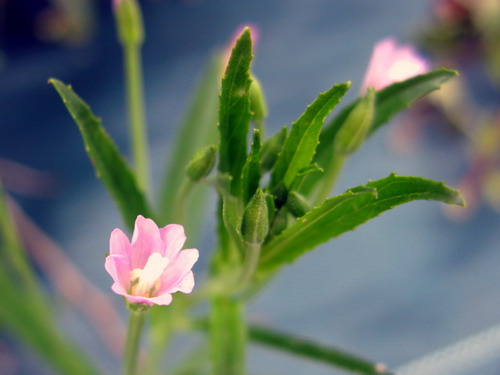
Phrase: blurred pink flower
(391, 63)
(152, 266)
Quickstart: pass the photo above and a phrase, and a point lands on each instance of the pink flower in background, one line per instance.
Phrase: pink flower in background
(152, 266)
(391, 63)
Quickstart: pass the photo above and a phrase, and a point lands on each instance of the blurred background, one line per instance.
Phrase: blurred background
(415, 281)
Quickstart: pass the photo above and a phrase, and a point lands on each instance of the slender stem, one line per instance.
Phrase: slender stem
(132, 345)
(252, 258)
(137, 118)
(180, 201)
(330, 178)
(228, 336)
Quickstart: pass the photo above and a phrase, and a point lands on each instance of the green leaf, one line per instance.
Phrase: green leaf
(12, 252)
(398, 96)
(345, 212)
(303, 347)
(198, 129)
(25, 311)
(301, 144)
(19, 316)
(388, 102)
(234, 111)
(272, 148)
(108, 163)
(251, 169)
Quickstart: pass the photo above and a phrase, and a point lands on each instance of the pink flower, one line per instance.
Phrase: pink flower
(151, 267)
(391, 63)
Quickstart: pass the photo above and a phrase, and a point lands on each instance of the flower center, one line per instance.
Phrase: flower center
(145, 282)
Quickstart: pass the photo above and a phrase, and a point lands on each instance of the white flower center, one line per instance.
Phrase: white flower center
(145, 282)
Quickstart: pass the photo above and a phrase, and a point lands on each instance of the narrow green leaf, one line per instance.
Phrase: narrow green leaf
(398, 96)
(388, 102)
(345, 212)
(251, 170)
(12, 252)
(25, 311)
(18, 315)
(307, 348)
(303, 347)
(108, 163)
(272, 148)
(313, 168)
(234, 111)
(301, 144)
(198, 129)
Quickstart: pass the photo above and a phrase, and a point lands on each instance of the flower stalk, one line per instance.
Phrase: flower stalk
(131, 36)
(136, 323)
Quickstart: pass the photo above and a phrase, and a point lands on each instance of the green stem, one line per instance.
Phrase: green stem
(330, 178)
(228, 336)
(180, 201)
(252, 259)
(137, 118)
(132, 345)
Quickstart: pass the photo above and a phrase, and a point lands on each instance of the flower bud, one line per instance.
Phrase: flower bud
(356, 126)
(128, 22)
(297, 205)
(258, 104)
(255, 225)
(202, 163)
(271, 149)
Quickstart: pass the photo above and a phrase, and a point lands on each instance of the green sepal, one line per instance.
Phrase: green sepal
(255, 224)
(251, 170)
(202, 163)
(258, 105)
(129, 23)
(297, 204)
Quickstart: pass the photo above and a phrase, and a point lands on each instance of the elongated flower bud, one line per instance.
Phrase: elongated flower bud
(202, 163)
(255, 225)
(128, 22)
(258, 104)
(355, 128)
(297, 204)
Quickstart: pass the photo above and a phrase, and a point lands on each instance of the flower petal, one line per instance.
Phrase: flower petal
(119, 243)
(164, 299)
(146, 240)
(177, 270)
(153, 269)
(118, 267)
(186, 285)
(173, 238)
